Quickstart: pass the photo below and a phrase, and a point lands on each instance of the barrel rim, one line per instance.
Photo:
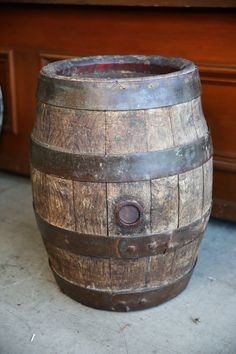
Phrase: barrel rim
(120, 94)
(183, 66)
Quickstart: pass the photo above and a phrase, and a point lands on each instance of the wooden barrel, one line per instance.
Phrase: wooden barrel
(121, 162)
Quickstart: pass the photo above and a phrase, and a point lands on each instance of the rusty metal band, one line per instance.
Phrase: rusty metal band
(121, 168)
(121, 247)
(144, 92)
(122, 301)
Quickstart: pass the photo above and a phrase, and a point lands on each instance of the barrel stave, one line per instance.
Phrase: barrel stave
(119, 132)
(190, 196)
(166, 203)
(90, 207)
(207, 184)
(115, 274)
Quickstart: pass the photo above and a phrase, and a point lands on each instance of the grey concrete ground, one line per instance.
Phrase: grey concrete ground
(36, 318)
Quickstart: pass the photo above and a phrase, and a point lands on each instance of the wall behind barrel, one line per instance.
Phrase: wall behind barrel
(33, 35)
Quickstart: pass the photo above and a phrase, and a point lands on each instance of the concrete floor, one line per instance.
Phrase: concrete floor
(36, 318)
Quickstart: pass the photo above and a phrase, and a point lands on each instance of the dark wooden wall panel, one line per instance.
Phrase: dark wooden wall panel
(7, 83)
(31, 36)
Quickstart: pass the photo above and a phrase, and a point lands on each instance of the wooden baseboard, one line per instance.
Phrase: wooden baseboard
(224, 209)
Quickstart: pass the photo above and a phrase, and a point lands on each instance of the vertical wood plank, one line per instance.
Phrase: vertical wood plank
(90, 208)
(183, 129)
(88, 272)
(164, 203)
(40, 191)
(184, 259)
(89, 132)
(207, 184)
(190, 196)
(159, 134)
(125, 132)
(75, 131)
(159, 269)
(42, 124)
(60, 202)
(61, 122)
(138, 191)
(128, 274)
(198, 117)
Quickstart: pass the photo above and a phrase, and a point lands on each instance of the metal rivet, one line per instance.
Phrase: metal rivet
(122, 305)
(131, 249)
(143, 301)
(152, 245)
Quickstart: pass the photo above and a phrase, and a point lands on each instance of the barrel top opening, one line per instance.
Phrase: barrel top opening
(114, 83)
(100, 68)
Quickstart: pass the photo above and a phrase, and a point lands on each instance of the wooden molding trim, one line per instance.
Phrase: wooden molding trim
(224, 209)
(218, 74)
(10, 96)
(224, 164)
(46, 58)
(156, 3)
(213, 73)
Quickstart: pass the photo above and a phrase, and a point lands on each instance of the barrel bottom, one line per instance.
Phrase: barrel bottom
(122, 301)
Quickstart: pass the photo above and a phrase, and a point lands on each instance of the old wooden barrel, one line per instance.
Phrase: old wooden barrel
(122, 177)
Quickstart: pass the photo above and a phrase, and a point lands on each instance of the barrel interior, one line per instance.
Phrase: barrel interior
(111, 70)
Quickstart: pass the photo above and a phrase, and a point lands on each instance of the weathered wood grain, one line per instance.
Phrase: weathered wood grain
(164, 204)
(42, 125)
(184, 259)
(125, 132)
(198, 118)
(118, 274)
(190, 196)
(60, 202)
(93, 273)
(183, 129)
(138, 191)
(75, 131)
(138, 131)
(99, 273)
(61, 127)
(53, 199)
(40, 193)
(207, 184)
(128, 274)
(89, 133)
(90, 208)
(158, 129)
(159, 269)
(122, 274)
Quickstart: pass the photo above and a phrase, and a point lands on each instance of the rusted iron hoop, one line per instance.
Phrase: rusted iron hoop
(59, 85)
